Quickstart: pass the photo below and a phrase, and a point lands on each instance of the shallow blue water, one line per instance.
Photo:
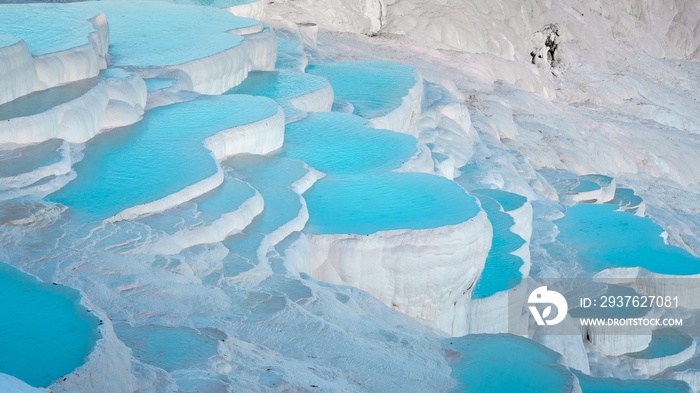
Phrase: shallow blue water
(27, 158)
(375, 88)
(336, 143)
(586, 185)
(153, 84)
(160, 155)
(506, 363)
(367, 203)
(501, 270)
(690, 364)
(605, 238)
(281, 86)
(360, 194)
(664, 342)
(509, 201)
(224, 199)
(42, 101)
(271, 177)
(290, 55)
(613, 385)
(179, 34)
(601, 180)
(7, 40)
(62, 26)
(44, 331)
(627, 199)
(169, 348)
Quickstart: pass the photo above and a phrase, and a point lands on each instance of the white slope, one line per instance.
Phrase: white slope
(613, 108)
(70, 46)
(216, 215)
(511, 30)
(422, 273)
(78, 110)
(18, 75)
(9, 383)
(215, 56)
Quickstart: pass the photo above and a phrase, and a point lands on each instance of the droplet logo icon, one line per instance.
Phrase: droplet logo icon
(542, 296)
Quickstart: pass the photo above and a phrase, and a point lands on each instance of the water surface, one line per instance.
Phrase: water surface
(44, 331)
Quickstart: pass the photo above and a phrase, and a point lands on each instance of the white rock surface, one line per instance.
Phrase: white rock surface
(11, 384)
(403, 118)
(254, 9)
(489, 314)
(61, 167)
(78, 63)
(605, 193)
(220, 72)
(227, 225)
(109, 354)
(262, 49)
(510, 30)
(610, 342)
(690, 376)
(18, 76)
(261, 137)
(427, 274)
(79, 120)
(655, 366)
(316, 101)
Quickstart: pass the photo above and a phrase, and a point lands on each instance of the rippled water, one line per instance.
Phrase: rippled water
(180, 33)
(664, 342)
(364, 204)
(606, 238)
(374, 88)
(336, 143)
(281, 86)
(156, 157)
(506, 363)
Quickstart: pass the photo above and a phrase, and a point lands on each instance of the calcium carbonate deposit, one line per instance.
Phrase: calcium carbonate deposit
(347, 195)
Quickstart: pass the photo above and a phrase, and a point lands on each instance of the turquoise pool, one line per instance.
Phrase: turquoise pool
(501, 269)
(606, 238)
(375, 88)
(170, 348)
(367, 203)
(613, 385)
(336, 143)
(160, 155)
(509, 201)
(281, 86)
(664, 342)
(42, 101)
(62, 27)
(44, 333)
(290, 55)
(506, 363)
(180, 34)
